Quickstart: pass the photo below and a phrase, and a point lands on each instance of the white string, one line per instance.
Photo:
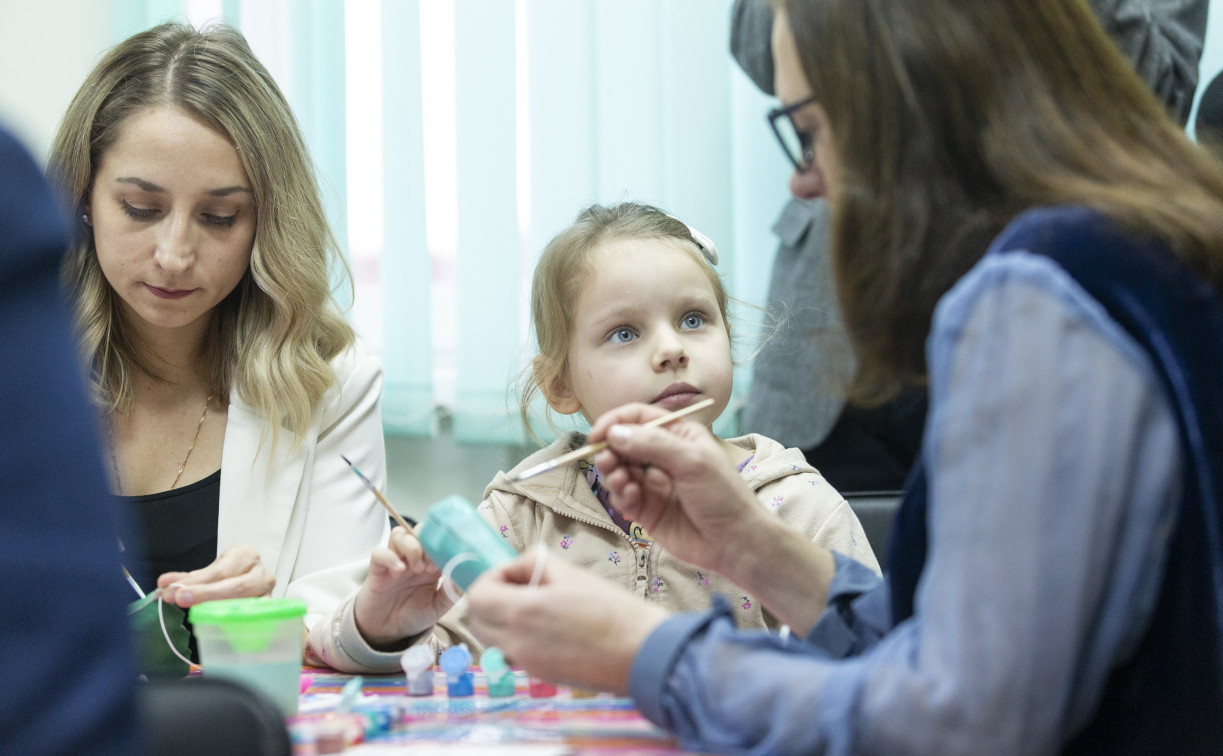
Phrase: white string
(537, 572)
(447, 582)
(166, 634)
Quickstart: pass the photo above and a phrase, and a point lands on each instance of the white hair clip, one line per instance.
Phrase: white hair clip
(708, 248)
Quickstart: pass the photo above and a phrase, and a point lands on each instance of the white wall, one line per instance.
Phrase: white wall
(46, 49)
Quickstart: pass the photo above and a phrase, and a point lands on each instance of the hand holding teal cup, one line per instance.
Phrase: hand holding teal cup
(256, 641)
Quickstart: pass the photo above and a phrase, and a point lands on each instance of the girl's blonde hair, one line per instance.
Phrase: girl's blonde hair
(568, 262)
(273, 337)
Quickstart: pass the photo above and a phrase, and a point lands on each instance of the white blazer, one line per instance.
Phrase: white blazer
(309, 516)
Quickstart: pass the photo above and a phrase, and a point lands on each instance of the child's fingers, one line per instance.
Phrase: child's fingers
(383, 561)
(407, 545)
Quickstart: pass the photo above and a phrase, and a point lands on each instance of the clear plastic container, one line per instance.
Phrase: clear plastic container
(256, 641)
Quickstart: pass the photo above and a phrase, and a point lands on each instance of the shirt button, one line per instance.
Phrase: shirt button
(641, 577)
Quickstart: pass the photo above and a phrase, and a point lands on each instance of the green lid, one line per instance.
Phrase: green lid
(238, 611)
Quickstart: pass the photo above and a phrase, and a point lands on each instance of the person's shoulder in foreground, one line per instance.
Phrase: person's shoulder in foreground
(61, 580)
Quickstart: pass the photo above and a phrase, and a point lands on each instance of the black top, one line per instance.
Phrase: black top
(177, 528)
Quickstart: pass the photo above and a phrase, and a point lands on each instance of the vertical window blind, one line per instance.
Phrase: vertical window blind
(453, 138)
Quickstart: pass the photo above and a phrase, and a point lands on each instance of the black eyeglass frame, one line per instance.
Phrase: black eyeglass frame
(803, 161)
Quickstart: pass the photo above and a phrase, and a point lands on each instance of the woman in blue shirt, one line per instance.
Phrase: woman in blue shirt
(1020, 226)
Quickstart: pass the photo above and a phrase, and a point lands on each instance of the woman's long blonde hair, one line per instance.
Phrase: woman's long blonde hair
(273, 337)
(951, 117)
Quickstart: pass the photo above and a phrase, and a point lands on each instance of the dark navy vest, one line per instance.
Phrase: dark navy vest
(1168, 697)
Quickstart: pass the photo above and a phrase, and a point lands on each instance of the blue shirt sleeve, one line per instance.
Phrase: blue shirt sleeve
(1054, 470)
(859, 610)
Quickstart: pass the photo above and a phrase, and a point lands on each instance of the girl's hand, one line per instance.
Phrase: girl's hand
(574, 627)
(401, 596)
(676, 481)
(236, 573)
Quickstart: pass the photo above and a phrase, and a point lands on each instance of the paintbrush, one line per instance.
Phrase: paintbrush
(590, 449)
(132, 582)
(378, 495)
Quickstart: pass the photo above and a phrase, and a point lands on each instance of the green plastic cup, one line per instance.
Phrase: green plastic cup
(256, 641)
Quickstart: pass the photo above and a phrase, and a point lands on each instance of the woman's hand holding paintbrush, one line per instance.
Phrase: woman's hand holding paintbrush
(592, 449)
(681, 486)
(236, 573)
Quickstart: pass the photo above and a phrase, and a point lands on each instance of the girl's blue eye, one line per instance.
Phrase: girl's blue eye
(622, 336)
(693, 320)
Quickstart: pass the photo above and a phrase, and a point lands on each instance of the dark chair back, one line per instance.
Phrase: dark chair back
(205, 716)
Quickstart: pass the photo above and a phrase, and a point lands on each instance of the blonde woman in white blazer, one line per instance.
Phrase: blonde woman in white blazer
(202, 279)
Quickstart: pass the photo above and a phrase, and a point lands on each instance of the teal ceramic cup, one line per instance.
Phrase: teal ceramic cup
(457, 539)
(256, 641)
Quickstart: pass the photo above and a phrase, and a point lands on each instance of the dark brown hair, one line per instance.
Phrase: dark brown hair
(950, 117)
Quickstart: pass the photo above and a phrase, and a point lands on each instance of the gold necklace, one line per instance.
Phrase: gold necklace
(110, 434)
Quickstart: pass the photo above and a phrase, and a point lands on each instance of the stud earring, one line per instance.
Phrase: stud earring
(85, 219)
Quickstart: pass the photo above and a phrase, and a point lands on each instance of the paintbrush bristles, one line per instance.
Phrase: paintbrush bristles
(590, 449)
(132, 582)
(378, 495)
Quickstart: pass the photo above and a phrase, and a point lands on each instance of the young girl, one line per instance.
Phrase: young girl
(627, 307)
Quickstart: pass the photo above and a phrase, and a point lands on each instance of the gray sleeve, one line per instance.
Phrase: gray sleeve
(1163, 39)
(859, 610)
(806, 361)
(751, 32)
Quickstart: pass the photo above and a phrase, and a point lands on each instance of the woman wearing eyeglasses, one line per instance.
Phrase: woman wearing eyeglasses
(872, 447)
(1019, 225)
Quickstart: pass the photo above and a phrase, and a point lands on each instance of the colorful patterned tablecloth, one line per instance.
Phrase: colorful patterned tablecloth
(395, 723)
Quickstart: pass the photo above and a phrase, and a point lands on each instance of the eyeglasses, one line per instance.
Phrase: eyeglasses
(795, 142)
